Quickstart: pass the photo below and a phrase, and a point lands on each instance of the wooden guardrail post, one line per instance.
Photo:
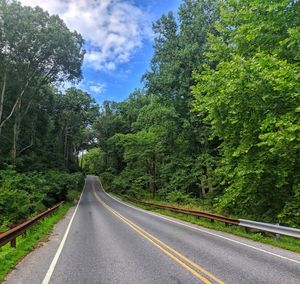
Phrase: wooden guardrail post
(13, 243)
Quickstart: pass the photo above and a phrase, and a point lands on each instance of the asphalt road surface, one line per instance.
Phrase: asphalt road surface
(108, 241)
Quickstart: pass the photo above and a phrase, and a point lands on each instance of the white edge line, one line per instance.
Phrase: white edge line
(202, 230)
(62, 243)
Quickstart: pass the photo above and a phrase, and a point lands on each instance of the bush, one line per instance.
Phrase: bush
(23, 195)
(290, 214)
(179, 197)
(14, 206)
(73, 195)
(107, 179)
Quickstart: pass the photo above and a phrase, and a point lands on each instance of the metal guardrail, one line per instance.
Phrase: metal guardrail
(247, 224)
(203, 214)
(271, 228)
(12, 234)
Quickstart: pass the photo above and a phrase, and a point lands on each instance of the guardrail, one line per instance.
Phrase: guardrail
(12, 234)
(271, 228)
(247, 224)
(207, 215)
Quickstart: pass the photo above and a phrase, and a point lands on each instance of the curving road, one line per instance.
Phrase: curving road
(108, 241)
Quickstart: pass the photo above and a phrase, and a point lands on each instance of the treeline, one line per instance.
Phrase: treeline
(42, 129)
(218, 118)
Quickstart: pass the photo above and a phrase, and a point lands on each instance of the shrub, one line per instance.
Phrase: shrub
(23, 195)
(179, 197)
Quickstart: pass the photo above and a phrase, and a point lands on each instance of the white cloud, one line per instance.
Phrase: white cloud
(98, 88)
(91, 87)
(95, 88)
(112, 29)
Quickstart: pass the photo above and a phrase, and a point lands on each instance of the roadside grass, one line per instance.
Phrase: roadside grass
(283, 242)
(9, 257)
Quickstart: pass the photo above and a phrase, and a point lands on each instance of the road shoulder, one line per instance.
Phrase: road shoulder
(33, 268)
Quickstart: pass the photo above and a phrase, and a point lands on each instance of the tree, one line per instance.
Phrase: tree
(35, 49)
(247, 27)
(42, 130)
(251, 100)
(76, 112)
(179, 49)
(152, 141)
(93, 162)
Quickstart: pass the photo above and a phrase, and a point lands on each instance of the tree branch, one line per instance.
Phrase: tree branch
(27, 147)
(17, 101)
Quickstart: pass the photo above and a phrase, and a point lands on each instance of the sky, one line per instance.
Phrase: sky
(118, 40)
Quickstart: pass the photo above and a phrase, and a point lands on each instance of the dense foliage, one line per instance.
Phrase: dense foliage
(251, 99)
(39, 126)
(24, 194)
(217, 119)
(42, 130)
(219, 115)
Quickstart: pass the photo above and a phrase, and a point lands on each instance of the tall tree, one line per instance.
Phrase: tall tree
(76, 112)
(35, 49)
(252, 100)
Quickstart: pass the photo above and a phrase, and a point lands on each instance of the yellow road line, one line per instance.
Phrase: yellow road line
(156, 242)
(195, 265)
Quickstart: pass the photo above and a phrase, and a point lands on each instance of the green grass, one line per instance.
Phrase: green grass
(9, 257)
(284, 242)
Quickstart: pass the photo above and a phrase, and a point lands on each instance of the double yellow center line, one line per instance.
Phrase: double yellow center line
(188, 264)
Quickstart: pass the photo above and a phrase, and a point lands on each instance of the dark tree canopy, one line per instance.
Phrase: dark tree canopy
(42, 130)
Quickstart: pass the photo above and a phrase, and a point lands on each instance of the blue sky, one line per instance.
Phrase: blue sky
(118, 40)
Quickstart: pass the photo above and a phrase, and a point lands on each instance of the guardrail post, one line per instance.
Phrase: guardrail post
(13, 243)
(10, 235)
(277, 236)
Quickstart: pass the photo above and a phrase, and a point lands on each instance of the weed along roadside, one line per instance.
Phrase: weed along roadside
(10, 256)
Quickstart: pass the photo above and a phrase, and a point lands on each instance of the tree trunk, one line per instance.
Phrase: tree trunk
(202, 191)
(2, 100)
(14, 147)
(152, 173)
(81, 161)
(19, 98)
(66, 149)
(16, 131)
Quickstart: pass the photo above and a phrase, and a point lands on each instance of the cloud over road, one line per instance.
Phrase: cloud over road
(112, 29)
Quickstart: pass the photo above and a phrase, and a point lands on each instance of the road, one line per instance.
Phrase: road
(108, 241)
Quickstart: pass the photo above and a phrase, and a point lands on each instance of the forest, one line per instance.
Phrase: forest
(42, 129)
(218, 118)
(216, 122)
